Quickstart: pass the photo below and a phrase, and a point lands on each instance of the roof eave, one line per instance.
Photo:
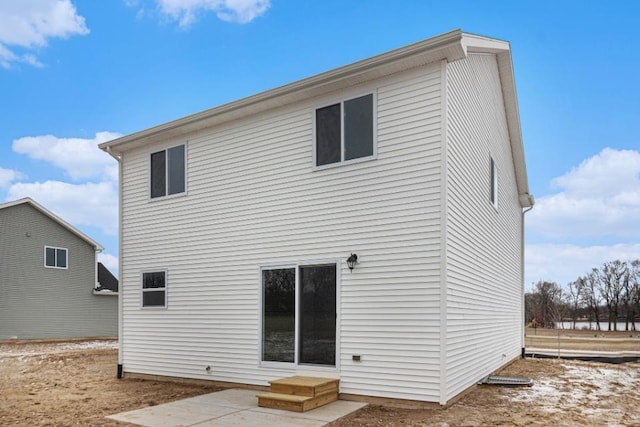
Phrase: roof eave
(55, 218)
(447, 46)
(450, 46)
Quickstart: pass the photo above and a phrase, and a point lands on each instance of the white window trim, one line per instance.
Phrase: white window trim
(494, 183)
(166, 289)
(55, 258)
(296, 265)
(166, 172)
(341, 101)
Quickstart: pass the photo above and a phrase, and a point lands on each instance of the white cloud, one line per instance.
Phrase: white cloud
(599, 198)
(78, 157)
(93, 204)
(7, 176)
(240, 11)
(109, 261)
(563, 263)
(29, 24)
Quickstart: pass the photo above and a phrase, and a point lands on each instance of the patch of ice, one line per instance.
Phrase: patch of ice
(579, 386)
(38, 349)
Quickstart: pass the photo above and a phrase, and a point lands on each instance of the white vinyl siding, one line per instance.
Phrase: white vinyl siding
(483, 244)
(254, 201)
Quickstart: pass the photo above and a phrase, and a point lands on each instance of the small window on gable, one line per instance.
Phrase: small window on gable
(494, 184)
(168, 172)
(345, 131)
(55, 257)
(154, 289)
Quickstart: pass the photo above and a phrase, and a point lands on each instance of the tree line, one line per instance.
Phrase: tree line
(610, 293)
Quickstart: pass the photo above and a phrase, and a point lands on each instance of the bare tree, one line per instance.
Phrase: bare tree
(591, 296)
(610, 282)
(634, 283)
(559, 308)
(574, 298)
(542, 300)
(626, 297)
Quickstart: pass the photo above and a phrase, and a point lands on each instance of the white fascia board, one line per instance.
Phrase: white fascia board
(502, 50)
(56, 218)
(446, 46)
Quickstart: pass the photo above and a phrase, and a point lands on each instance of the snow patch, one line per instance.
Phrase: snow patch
(38, 349)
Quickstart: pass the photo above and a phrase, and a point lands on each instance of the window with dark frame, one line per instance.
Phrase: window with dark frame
(494, 184)
(55, 257)
(154, 289)
(168, 169)
(344, 131)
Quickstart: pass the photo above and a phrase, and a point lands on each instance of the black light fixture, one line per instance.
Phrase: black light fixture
(352, 260)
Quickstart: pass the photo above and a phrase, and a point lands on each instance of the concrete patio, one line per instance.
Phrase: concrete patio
(234, 407)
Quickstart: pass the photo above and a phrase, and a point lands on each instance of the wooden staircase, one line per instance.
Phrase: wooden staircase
(299, 394)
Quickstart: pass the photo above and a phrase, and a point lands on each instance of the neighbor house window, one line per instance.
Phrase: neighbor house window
(154, 289)
(345, 131)
(494, 184)
(168, 172)
(55, 257)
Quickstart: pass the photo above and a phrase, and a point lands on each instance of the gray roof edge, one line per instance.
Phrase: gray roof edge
(54, 217)
(465, 42)
(442, 41)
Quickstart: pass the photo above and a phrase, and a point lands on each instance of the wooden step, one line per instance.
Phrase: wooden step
(304, 386)
(295, 403)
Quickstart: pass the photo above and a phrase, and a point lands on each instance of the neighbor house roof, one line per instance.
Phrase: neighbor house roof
(63, 223)
(106, 280)
(450, 46)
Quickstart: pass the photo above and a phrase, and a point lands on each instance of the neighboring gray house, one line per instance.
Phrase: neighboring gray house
(48, 276)
(240, 227)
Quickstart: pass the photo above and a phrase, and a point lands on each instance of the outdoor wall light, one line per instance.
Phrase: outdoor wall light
(352, 260)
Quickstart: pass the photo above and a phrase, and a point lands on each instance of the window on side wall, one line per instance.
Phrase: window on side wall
(345, 131)
(494, 184)
(168, 172)
(55, 257)
(154, 289)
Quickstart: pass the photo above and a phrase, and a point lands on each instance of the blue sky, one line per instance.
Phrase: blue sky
(75, 73)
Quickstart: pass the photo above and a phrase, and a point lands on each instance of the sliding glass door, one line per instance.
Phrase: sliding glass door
(299, 315)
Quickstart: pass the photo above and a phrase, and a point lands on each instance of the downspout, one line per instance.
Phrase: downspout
(531, 202)
(119, 158)
(96, 283)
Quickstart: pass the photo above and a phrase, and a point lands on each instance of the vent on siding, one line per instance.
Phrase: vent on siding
(510, 381)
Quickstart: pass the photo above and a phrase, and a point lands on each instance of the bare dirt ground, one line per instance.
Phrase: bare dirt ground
(74, 384)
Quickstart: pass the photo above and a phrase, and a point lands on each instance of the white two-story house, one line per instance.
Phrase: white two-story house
(364, 224)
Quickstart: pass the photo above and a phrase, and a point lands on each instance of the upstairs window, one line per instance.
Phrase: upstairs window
(154, 289)
(345, 131)
(494, 184)
(168, 172)
(55, 257)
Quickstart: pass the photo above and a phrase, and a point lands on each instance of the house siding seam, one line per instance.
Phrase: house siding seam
(482, 244)
(254, 199)
(40, 302)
